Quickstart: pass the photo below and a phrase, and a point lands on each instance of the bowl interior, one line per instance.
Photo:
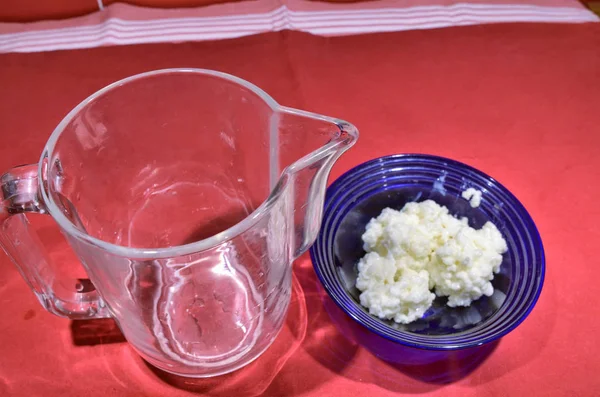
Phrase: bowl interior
(363, 192)
(439, 319)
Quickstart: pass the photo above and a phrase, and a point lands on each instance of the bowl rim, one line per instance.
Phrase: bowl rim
(533, 231)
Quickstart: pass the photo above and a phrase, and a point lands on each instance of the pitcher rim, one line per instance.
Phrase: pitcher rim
(219, 238)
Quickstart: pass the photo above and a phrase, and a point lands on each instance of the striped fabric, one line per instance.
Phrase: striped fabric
(120, 24)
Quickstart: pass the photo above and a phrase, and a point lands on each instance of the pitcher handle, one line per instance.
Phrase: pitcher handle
(75, 299)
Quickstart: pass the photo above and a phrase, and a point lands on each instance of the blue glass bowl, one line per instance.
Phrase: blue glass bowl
(364, 191)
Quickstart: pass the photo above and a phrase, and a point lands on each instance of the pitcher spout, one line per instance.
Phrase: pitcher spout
(308, 145)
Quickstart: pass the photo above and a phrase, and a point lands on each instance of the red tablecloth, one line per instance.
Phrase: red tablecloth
(519, 101)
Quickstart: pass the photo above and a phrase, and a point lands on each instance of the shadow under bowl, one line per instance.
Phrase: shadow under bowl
(364, 191)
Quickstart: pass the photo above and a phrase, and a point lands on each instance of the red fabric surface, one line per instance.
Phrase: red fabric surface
(31, 10)
(520, 102)
(168, 3)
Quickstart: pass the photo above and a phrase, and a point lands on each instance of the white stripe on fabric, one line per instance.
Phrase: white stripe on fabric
(116, 31)
(419, 12)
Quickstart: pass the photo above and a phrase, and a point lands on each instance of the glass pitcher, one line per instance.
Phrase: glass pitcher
(186, 194)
